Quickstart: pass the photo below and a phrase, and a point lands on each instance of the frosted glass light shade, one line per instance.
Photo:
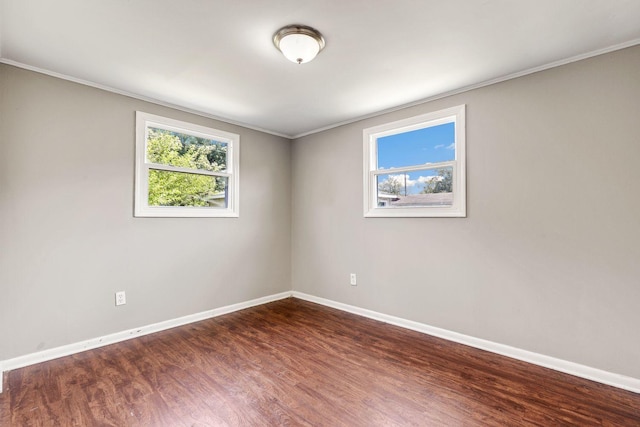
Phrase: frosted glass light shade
(299, 48)
(298, 43)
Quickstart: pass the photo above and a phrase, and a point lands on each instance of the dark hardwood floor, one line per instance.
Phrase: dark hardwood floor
(296, 363)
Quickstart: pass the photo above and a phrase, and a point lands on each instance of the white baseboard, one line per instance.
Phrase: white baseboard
(598, 375)
(66, 350)
(593, 374)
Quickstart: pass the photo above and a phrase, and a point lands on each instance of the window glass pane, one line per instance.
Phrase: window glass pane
(423, 146)
(168, 188)
(432, 187)
(178, 149)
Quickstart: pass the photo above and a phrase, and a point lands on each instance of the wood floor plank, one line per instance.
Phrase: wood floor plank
(294, 363)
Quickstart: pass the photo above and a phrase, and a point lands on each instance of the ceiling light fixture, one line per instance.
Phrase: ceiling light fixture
(298, 43)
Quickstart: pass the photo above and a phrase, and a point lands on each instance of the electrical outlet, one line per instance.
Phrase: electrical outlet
(121, 298)
(353, 279)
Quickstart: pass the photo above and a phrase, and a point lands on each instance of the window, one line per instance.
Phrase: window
(416, 167)
(184, 170)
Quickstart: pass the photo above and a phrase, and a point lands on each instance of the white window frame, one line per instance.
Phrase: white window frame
(370, 136)
(142, 208)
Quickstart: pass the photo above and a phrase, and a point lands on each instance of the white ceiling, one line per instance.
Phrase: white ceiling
(216, 57)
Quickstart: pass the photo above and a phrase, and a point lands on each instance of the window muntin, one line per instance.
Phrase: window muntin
(415, 167)
(184, 170)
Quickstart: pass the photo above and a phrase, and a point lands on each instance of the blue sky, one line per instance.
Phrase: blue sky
(429, 145)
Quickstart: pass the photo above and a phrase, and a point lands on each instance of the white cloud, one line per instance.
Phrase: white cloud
(403, 180)
(439, 146)
(427, 179)
(451, 146)
(400, 179)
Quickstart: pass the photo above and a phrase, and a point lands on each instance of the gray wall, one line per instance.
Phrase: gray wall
(547, 260)
(68, 238)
